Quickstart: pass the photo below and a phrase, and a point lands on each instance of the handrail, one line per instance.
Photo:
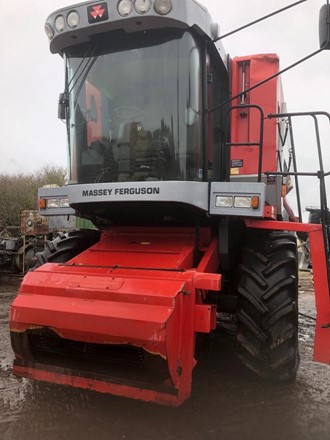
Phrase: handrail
(261, 134)
(321, 174)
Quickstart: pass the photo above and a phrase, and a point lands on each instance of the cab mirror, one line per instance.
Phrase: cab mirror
(63, 104)
(324, 27)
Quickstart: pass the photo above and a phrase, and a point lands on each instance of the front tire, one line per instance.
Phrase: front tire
(267, 311)
(64, 247)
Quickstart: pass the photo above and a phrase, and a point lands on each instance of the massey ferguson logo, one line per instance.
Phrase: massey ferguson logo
(98, 13)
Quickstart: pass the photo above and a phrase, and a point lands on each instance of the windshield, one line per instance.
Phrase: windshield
(135, 110)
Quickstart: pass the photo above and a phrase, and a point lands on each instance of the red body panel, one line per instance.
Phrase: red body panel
(140, 249)
(245, 123)
(94, 299)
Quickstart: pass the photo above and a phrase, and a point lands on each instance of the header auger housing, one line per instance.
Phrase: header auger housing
(185, 189)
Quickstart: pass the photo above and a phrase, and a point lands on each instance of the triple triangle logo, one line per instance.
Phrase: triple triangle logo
(98, 13)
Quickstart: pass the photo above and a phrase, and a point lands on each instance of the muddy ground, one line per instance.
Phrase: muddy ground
(227, 402)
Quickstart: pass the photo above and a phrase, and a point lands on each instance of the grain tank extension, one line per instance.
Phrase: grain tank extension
(185, 189)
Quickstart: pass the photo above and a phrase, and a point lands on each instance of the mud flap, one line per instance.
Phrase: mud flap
(322, 297)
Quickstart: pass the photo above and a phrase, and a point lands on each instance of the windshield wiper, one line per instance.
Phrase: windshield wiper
(81, 73)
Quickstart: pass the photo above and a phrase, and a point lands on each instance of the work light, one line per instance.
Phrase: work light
(163, 7)
(142, 6)
(60, 23)
(125, 7)
(49, 31)
(73, 19)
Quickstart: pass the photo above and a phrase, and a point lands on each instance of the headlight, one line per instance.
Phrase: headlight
(125, 7)
(163, 7)
(248, 202)
(142, 6)
(242, 202)
(224, 201)
(53, 203)
(60, 23)
(49, 31)
(73, 19)
(64, 203)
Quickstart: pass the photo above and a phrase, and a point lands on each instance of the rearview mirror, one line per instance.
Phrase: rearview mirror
(324, 27)
(63, 104)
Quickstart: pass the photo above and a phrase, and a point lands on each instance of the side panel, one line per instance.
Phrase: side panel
(245, 123)
(190, 193)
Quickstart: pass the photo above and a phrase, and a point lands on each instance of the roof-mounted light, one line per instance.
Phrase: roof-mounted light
(142, 6)
(125, 7)
(163, 7)
(60, 23)
(73, 19)
(49, 31)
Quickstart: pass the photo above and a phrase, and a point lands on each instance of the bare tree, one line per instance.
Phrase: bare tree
(19, 191)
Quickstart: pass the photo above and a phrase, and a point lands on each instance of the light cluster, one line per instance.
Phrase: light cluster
(72, 21)
(162, 7)
(53, 203)
(229, 201)
(124, 8)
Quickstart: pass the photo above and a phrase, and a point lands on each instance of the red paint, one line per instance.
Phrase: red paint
(95, 299)
(245, 124)
(97, 12)
(97, 385)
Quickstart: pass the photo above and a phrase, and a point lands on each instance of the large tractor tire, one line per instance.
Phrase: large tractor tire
(64, 247)
(267, 310)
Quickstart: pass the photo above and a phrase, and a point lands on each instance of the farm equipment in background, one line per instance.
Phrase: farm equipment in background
(179, 156)
(19, 245)
(12, 251)
(315, 217)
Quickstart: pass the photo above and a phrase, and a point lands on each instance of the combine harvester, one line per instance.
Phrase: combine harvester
(179, 157)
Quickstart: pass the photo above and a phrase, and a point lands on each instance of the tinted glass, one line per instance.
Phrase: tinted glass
(135, 110)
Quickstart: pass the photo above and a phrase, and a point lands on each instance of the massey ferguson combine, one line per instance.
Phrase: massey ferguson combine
(182, 158)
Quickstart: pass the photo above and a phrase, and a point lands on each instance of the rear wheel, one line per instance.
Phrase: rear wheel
(268, 305)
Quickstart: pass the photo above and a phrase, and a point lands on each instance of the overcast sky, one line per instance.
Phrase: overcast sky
(31, 78)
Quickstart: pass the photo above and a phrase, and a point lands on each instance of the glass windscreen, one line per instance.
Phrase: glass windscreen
(135, 109)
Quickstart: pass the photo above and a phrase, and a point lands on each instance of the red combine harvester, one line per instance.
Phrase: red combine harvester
(181, 159)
